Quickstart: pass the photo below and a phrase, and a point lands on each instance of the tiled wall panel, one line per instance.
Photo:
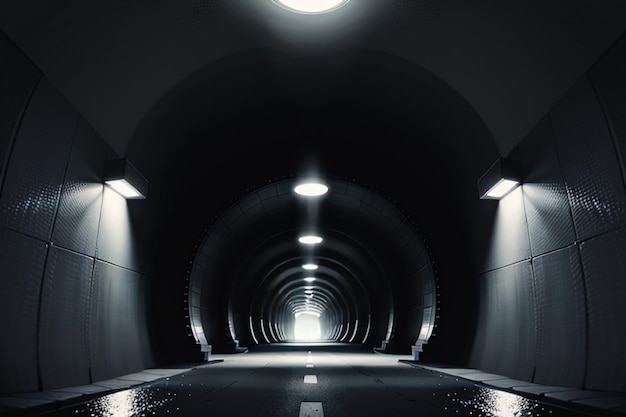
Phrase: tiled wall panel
(575, 205)
(64, 320)
(548, 213)
(116, 242)
(509, 241)
(18, 78)
(76, 224)
(506, 328)
(590, 166)
(52, 197)
(604, 268)
(117, 329)
(562, 335)
(32, 187)
(22, 262)
(276, 197)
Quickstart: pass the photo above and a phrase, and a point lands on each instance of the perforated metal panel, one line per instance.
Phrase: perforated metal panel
(76, 224)
(590, 167)
(64, 319)
(117, 328)
(506, 330)
(548, 213)
(509, 242)
(275, 198)
(116, 242)
(604, 269)
(562, 333)
(21, 262)
(35, 173)
(252, 206)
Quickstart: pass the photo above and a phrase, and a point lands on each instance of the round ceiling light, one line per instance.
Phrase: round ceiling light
(310, 239)
(311, 189)
(311, 6)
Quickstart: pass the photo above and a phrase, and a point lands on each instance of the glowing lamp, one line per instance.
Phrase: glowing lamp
(123, 177)
(500, 179)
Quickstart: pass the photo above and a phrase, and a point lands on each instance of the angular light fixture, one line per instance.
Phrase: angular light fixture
(310, 239)
(123, 177)
(311, 6)
(500, 179)
(311, 188)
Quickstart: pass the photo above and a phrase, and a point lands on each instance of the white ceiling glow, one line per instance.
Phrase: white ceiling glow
(311, 6)
(311, 189)
(310, 239)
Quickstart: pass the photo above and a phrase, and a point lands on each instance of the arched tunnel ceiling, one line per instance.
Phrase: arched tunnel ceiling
(215, 99)
(510, 60)
(373, 268)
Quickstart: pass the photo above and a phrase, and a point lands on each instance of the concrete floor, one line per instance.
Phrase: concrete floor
(298, 380)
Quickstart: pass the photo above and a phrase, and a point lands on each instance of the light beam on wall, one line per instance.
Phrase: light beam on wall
(500, 179)
(125, 179)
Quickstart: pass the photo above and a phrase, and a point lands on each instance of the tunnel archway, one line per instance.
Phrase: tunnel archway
(388, 113)
(373, 285)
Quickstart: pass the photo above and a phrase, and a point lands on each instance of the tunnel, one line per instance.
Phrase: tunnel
(400, 110)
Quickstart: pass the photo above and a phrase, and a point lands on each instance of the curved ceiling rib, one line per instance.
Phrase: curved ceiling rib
(367, 282)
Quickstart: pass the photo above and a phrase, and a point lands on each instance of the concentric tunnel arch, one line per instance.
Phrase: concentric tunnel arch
(373, 285)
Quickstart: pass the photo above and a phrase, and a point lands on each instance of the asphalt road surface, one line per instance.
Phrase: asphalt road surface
(311, 381)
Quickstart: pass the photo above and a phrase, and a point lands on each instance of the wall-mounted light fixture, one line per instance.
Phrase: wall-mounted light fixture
(500, 179)
(123, 177)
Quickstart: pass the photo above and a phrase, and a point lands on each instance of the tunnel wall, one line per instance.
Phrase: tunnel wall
(72, 292)
(552, 284)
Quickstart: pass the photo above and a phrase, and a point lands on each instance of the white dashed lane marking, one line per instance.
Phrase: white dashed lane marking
(311, 409)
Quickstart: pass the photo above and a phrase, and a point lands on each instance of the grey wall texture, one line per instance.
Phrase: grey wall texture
(72, 310)
(73, 303)
(553, 276)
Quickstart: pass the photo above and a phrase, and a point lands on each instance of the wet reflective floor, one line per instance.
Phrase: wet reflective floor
(311, 381)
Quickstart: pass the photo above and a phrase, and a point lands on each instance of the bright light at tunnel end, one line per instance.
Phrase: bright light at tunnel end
(312, 313)
(310, 6)
(309, 267)
(307, 326)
